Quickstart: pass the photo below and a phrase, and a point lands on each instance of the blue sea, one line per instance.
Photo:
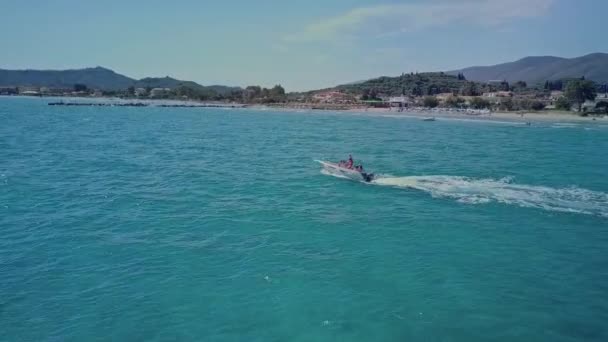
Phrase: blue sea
(206, 224)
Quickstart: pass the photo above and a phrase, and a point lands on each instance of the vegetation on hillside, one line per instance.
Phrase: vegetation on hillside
(418, 84)
(429, 84)
(579, 91)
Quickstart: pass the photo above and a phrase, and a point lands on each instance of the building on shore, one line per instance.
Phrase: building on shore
(399, 101)
(29, 91)
(556, 94)
(140, 92)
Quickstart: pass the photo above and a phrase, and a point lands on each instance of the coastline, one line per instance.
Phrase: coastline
(415, 113)
(440, 113)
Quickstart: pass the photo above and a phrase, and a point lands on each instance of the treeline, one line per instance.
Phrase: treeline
(561, 85)
(504, 104)
(433, 83)
(251, 94)
(575, 94)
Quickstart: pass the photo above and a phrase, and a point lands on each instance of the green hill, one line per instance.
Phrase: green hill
(100, 78)
(95, 78)
(428, 83)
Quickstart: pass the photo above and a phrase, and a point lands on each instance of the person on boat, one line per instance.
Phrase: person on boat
(349, 164)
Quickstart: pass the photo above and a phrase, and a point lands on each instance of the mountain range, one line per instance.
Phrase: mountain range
(96, 78)
(534, 70)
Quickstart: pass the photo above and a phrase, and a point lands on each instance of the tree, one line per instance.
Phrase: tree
(251, 93)
(520, 85)
(506, 104)
(469, 89)
(276, 94)
(430, 102)
(479, 103)
(373, 94)
(365, 95)
(579, 91)
(537, 105)
(277, 90)
(416, 91)
(131, 91)
(558, 85)
(454, 102)
(600, 105)
(80, 87)
(432, 90)
(563, 103)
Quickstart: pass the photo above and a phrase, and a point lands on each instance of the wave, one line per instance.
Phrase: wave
(476, 191)
(333, 174)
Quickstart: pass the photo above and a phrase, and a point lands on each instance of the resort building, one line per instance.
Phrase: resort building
(141, 92)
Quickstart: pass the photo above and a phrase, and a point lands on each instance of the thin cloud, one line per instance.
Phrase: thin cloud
(387, 20)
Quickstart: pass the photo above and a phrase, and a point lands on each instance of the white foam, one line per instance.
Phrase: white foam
(334, 174)
(477, 191)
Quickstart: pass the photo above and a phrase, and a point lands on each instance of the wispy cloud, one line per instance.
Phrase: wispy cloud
(383, 20)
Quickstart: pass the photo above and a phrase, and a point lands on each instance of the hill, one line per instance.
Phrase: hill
(535, 70)
(95, 78)
(98, 77)
(428, 83)
(172, 83)
(164, 82)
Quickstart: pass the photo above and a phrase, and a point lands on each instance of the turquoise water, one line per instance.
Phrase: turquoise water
(158, 224)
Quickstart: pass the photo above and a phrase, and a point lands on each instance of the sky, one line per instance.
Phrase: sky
(301, 45)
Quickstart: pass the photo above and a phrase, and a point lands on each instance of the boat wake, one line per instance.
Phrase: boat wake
(333, 174)
(477, 191)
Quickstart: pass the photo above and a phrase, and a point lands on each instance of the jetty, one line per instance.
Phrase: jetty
(148, 104)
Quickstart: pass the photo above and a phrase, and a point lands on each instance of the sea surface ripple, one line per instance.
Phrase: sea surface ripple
(165, 224)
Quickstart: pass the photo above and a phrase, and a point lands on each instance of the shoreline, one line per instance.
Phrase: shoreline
(421, 114)
(414, 113)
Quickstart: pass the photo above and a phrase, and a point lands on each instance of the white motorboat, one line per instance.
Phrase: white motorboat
(353, 174)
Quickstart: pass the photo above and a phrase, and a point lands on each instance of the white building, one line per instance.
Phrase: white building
(141, 92)
(30, 91)
(398, 101)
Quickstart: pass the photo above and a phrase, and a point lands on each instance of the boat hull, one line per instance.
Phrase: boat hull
(345, 172)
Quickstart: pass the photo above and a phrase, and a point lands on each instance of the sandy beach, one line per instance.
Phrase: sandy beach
(421, 113)
(441, 113)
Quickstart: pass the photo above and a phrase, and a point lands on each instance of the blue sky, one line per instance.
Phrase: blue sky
(299, 44)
